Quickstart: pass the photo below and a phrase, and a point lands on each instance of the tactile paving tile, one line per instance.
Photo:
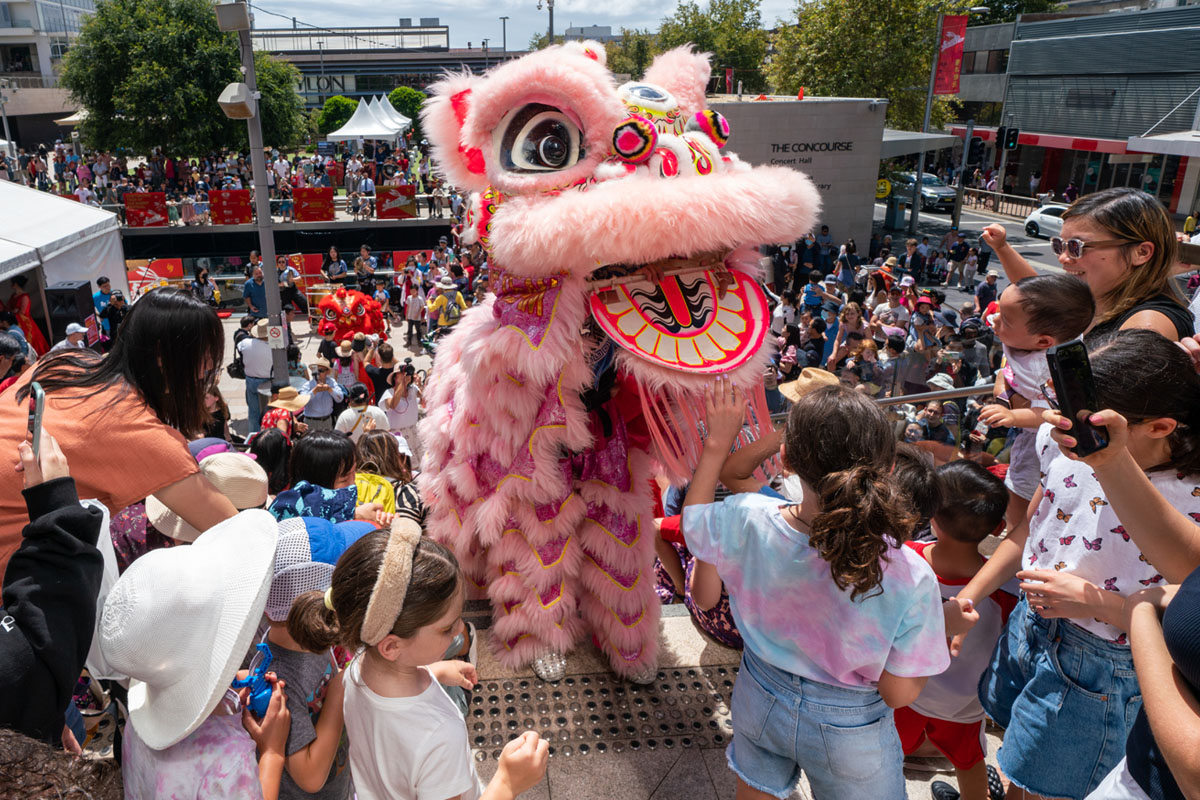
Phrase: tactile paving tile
(600, 713)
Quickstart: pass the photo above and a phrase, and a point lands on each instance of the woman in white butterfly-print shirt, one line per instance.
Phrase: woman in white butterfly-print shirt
(1063, 663)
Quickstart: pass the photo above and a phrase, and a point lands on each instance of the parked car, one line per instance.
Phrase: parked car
(935, 194)
(1045, 221)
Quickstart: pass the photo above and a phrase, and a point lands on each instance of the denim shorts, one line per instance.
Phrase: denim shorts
(843, 739)
(1067, 700)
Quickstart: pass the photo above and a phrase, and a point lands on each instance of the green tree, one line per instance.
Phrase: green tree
(862, 48)
(729, 29)
(283, 118)
(149, 72)
(1009, 10)
(336, 112)
(408, 101)
(632, 53)
(538, 41)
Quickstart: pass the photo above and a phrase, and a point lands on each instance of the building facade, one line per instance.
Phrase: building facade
(363, 62)
(1080, 88)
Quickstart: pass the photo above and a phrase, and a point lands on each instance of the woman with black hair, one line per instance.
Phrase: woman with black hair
(273, 450)
(334, 269)
(204, 288)
(124, 420)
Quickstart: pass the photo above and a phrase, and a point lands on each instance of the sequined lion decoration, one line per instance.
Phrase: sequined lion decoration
(622, 247)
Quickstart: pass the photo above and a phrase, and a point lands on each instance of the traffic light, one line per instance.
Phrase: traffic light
(1010, 138)
(975, 151)
(1000, 132)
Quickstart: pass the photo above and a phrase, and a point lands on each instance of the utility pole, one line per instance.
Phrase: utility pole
(262, 201)
(920, 176)
(485, 54)
(962, 173)
(504, 34)
(9, 146)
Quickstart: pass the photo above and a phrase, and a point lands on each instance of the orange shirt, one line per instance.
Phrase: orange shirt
(117, 455)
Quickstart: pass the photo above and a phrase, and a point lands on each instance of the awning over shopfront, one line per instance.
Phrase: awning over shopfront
(69, 240)
(905, 143)
(1181, 143)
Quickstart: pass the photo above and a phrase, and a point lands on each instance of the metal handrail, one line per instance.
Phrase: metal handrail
(924, 397)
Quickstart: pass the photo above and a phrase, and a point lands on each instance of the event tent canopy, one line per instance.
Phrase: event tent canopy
(364, 124)
(68, 240)
(383, 108)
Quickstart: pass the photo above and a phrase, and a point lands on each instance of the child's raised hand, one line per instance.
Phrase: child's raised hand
(725, 410)
(455, 673)
(1118, 436)
(997, 416)
(271, 732)
(523, 763)
(995, 236)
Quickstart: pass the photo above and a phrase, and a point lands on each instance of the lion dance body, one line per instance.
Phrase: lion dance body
(553, 403)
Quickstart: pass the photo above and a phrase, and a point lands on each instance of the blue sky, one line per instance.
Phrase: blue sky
(474, 20)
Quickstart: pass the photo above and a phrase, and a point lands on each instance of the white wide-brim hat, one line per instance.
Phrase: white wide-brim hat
(181, 619)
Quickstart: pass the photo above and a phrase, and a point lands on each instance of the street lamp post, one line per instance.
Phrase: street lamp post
(920, 176)
(4, 113)
(504, 34)
(239, 21)
(485, 54)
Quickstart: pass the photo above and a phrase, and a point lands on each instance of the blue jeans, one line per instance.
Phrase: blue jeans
(844, 739)
(254, 411)
(1067, 699)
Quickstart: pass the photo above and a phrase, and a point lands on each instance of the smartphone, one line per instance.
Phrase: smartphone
(1075, 393)
(37, 404)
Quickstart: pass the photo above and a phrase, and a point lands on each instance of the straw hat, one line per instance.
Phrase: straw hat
(891, 261)
(289, 399)
(810, 378)
(345, 349)
(180, 620)
(447, 284)
(260, 329)
(320, 362)
(234, 475)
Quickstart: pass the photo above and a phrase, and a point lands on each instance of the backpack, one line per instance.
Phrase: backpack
(453, 311)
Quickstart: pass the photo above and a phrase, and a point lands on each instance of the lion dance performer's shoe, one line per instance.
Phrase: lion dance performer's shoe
(550, 666)
(623, 278)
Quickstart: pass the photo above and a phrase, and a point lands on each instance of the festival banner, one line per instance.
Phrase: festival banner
(146, 209)
(950, 55)
(395, 202)
(230, 207)
(313, 204)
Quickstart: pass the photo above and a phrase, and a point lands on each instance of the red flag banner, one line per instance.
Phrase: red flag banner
(314, 204)
(395, 202)
(950, 54)
(230, 206)
(146, 209)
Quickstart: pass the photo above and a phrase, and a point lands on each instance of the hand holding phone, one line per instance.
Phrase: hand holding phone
(1075, 395)
(37, 404)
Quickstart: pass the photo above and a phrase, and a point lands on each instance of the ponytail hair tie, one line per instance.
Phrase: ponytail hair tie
(329, 598)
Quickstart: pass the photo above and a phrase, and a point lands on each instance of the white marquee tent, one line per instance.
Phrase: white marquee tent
(68, 240)
(364, 124)
(385, 111)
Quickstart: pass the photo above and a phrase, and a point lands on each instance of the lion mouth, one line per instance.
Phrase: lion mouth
(693, 313)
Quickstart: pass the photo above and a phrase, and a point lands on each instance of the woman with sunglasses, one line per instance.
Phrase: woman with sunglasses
(124, 420)
(1121, 243)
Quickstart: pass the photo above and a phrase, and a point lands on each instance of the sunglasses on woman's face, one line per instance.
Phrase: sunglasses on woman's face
(1074, 247)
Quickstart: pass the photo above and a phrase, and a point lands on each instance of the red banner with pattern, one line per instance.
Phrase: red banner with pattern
(395, 202)
(950, 55)
(146, 209)
(230, 207)
(313, 204)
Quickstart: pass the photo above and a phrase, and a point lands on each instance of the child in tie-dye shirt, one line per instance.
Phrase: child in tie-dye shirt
(841, 623)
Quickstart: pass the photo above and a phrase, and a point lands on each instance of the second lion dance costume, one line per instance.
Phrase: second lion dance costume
(553, 403)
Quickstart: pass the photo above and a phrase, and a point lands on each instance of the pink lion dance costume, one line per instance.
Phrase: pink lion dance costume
(551, 404)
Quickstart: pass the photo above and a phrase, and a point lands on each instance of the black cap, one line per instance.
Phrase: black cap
(359, 393)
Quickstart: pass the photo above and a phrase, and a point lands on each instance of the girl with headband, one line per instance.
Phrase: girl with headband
(397, 599)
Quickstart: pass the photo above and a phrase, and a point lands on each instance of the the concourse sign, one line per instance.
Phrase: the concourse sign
(883, 188)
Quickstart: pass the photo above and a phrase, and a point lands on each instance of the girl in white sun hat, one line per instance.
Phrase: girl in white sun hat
(178, 623)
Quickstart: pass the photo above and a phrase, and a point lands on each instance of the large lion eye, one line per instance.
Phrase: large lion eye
(330, 314)
(539, 138)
